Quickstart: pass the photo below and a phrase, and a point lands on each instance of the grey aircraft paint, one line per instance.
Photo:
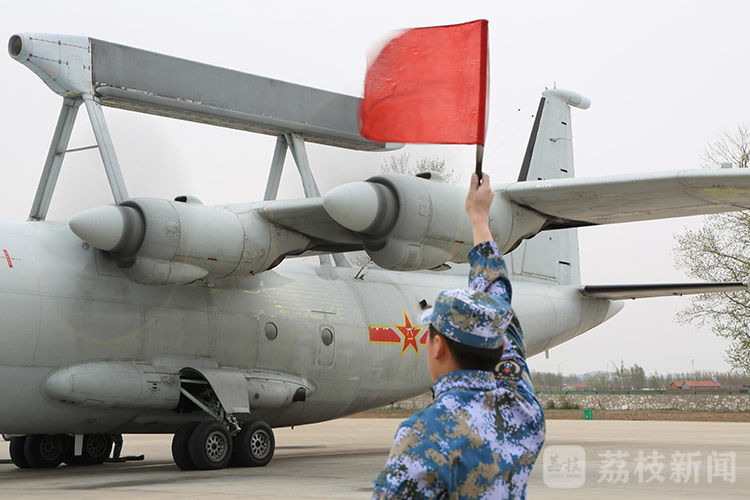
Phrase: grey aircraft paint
(66, 305)
(118, 321)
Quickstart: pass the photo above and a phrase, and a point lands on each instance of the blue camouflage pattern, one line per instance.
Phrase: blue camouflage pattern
(470, 317)
(482, 433)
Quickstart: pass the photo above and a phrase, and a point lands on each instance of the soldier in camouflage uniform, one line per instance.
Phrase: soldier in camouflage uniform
(484, 429)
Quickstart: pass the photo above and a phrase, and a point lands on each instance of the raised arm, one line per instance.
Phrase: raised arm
(478, 203)
(489, 273)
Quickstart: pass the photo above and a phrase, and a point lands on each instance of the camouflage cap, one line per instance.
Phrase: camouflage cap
(470, 317)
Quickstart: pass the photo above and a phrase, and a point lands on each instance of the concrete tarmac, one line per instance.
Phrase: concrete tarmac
(339, 459)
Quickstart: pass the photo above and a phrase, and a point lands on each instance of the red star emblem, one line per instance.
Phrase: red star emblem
(407, 334)
(410, 334)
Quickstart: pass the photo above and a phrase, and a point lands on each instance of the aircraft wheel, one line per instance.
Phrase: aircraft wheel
(44, 450)
(180, 440)
(17, 454)
(254, 445)
(96, 450)
(210, 446)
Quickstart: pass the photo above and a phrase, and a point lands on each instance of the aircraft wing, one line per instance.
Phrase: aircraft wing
(564, 203)
(576, 202)
(621, 292)
(308, 217)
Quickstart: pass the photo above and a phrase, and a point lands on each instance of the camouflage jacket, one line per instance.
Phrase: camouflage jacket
(483, 431)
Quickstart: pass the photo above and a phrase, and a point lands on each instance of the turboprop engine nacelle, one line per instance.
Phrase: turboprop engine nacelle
(163, 242)
(412, 223)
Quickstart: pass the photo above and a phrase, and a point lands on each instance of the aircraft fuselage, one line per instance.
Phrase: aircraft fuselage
(64, 303)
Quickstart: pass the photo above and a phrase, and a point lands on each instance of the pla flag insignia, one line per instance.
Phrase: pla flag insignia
(406, 334)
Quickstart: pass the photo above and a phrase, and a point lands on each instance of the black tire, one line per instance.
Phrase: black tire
(44, 451)
(210, 446)
(17, 455)
(96, 450)
(180, 440)
(254, 445)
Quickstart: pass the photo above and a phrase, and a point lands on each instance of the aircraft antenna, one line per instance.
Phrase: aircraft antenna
(97, 73)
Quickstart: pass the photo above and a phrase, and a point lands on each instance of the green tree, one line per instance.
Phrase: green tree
(720, 251)
(400, 163)
(598, 380)
(637, 377)
(619, 375)
(657, 381)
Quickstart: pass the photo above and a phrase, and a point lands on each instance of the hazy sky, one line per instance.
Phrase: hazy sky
(665, 78)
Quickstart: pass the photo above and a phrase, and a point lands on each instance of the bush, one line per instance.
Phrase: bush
(568, 405)
(550, 405)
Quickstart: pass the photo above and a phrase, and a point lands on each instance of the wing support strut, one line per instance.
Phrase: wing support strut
(299, 153)
(55, 157)
(296, 143)
(277, 165)
(106, 149)
(58, 149)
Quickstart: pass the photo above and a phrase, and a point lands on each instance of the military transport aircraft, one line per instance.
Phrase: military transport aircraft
(169, 316)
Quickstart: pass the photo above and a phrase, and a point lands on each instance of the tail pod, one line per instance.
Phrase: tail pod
(551, 255)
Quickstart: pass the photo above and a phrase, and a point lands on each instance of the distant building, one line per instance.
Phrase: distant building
(575, 387)
(694, 384)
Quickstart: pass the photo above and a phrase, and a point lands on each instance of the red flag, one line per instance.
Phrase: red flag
(429, 85)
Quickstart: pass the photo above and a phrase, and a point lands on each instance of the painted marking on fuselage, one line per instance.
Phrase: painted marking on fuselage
(381, 334)
(406, 334)
(7, 258)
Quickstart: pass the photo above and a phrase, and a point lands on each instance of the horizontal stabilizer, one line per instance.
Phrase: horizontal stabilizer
(147, 82)
(607, 200)
(621, 292)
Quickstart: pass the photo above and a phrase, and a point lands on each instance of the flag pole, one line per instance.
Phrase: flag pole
(480, 155)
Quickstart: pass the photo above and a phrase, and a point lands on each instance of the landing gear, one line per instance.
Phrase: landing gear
(205, 446)
(254, 445)
(96, 450)
(44, 451)
(209, 446)
(180, 446)
(16, 452)
(222, 441)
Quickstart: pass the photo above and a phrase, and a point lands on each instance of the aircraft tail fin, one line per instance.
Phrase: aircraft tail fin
(549, 154)
(551, 256)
